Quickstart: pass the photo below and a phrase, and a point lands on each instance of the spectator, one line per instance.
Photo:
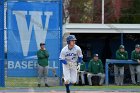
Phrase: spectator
(121, 54)
(43, 56)
(81, 72)
(95, 68)
(135, 56)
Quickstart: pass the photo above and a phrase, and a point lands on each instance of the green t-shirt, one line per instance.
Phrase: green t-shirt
(43, 56)
(135, 55)
(121, 56)
(95, 67)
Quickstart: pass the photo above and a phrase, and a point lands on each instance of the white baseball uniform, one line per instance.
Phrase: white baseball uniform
(71, 57)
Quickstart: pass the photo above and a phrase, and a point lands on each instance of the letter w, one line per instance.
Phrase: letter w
(35, 24)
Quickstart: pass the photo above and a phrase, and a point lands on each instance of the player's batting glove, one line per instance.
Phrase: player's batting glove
(63, 61)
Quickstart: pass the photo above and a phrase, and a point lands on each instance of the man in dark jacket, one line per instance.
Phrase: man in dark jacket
(43, 56)
(95, 68)
(121, 54)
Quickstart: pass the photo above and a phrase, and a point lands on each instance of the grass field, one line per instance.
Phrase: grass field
(31, 83)
(20, 82)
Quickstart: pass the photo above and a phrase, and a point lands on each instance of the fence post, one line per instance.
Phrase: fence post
(61, 32)
(2, 80)
(121, 38)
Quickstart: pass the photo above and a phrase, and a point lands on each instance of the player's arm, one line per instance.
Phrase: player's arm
(126, 55)
(118, 56)
(40, 55)
(62, 57)
(133, 56)
(46, 54)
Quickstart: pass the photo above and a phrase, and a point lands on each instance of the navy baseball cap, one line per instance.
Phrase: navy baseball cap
(42, 44)
(137, 46)
(121, 47)
(95, 55)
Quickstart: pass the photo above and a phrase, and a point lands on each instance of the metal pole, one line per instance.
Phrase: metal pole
(106, 73)
(103, 5)
(121, 38)
(61, 32)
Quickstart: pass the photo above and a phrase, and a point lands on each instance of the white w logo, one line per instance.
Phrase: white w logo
(35, 24)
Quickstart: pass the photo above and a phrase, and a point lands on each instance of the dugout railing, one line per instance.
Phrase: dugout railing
(113, 61)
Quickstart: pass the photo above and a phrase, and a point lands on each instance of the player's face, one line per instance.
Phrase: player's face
(137, 49)
(122, 50)
(42, 46)
(95, 58)
(72, 42)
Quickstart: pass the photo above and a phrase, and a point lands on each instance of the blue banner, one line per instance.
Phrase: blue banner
(29, 24)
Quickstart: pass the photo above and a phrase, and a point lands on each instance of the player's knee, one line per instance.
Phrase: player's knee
(122, 74)
(82, 73)
(103, 75)
(89, 75)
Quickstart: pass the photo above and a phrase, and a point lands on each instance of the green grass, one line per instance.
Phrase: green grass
(12, 83)
(20, 82)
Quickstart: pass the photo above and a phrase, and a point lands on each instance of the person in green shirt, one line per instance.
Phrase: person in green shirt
(81, 72)
(121, 54)
(95, 68)
(42, 56)
(135, 56)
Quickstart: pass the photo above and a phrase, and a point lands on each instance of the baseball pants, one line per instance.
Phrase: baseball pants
(70, 73)
(135, 69)
(42, 74)
(101, 75)
(119, 74)
(81, 73)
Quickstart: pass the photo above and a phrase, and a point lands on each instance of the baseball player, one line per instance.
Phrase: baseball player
(70, 56)
(121, 54)
(43, 56)
(135, 56)
(95, 68)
